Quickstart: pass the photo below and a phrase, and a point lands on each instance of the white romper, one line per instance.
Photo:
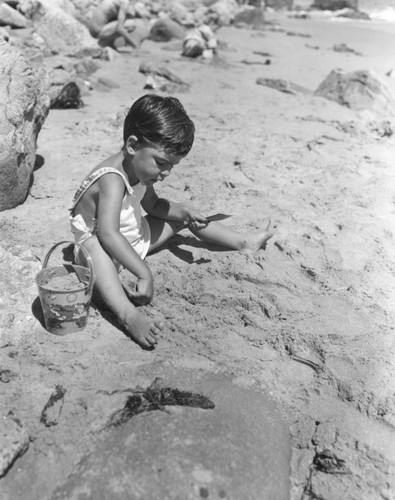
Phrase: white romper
(133, 225)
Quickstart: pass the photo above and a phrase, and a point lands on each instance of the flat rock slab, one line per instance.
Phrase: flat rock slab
(237, 450)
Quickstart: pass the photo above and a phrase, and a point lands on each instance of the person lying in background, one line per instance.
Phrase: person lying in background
(200, 41)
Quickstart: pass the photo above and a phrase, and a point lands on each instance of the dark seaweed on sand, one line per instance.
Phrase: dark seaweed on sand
(56, 397)
(326, 461)
(156, 397)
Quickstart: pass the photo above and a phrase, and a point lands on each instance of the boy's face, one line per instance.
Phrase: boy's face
(150, 163)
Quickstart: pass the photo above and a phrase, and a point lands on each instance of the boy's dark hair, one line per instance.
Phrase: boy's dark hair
(160, 120)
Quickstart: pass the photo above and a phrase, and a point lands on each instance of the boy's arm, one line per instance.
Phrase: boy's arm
(170, 210)
(112, 189)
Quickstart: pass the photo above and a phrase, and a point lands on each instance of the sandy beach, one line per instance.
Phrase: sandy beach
(308, 323)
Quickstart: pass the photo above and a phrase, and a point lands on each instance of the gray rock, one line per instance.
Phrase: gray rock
(353, 14)
(280, 4)
(166, 29)
(159, 77)
(17, 291)
(237, 450)
(282, 85)
(60, 30)
(30, 7)
(252, 16)
(14, 441)
(334, 4)
(222, 12)
(358, 90)
(11, 17)
(24, 108)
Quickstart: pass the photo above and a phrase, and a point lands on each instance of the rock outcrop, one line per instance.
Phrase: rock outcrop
(24, 107)
(358, 90)
(55, 23)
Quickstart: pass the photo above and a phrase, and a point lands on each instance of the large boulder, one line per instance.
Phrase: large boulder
(24, 107)
(358, 90)
(55, 23)
(211, 440)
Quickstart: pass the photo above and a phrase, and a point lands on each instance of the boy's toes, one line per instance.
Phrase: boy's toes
(148, 342)
(152, 339)
(157, 327)
(144, 343)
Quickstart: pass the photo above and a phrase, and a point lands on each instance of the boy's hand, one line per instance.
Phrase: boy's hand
(193, 218)
(144, 291)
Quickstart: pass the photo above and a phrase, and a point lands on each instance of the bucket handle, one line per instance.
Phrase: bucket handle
(84, 251)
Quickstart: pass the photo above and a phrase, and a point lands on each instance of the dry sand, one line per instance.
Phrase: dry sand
(309, 321)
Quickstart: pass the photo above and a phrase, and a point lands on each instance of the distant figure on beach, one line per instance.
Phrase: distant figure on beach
(110, 20)
(200, 41)
(106, 213)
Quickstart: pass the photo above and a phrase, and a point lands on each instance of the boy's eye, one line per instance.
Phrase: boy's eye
(163, 164)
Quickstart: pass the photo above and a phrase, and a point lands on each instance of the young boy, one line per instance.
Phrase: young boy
(106, 211)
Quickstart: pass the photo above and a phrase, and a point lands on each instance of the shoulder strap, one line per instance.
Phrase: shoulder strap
(92, 178)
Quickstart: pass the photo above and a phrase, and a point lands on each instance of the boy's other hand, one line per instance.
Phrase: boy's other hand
(143, 292)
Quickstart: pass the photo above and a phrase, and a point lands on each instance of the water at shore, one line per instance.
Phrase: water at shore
(379, 10)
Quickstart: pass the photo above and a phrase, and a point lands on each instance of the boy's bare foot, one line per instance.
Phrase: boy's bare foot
(144, 331)
(258, 239)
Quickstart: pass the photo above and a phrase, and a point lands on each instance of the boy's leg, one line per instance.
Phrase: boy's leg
(214, 233)
(107, 283)
(162, 230)
(224, 236)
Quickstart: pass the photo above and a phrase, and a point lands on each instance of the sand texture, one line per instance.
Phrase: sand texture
(308, 322)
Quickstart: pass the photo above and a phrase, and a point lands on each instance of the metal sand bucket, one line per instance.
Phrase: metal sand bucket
(65, 293)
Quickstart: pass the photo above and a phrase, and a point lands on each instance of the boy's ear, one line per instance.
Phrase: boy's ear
(130, 144)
